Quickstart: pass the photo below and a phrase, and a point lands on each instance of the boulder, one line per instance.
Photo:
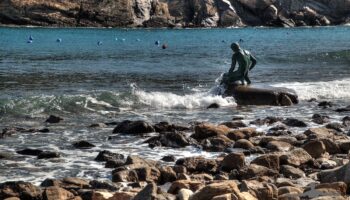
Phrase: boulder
(215, 189)
(294, 122)
(276, 145)
(184, 194)
(268, 120)
(292, 172)
(136, 175)
(83, 145)
(336, 126)
(107, 155)
(320, 119)
(169, 158)
(261, 190)
(243, 144)
(315, 148)
(20, 189)
(198, 164)
(233, 161)
(31, 152)
(57, 193)
(242, 133)
(176, 186)
(254, 170)
(150, 192)
(134, 127)
(290, 190)
(48, 155)
(295, 157)
(165, 127)
(339, 174)
(206, 130)
(235, 124)
(331, 147)
(217, 143)
(170, 139)
(318, 133)
(167, 174)
(270, 161)
(257, 95)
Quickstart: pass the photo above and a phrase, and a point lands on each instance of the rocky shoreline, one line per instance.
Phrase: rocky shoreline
(276, 164)
(174, 13)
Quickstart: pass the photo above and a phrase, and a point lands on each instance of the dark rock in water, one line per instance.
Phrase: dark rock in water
(312, 100)
(134, 127)
(234, 124)
(44, 130)
(345, 109)
(206, 130)
(320, 119)
(235, 118)
(315, 148)
(31, 152)
(233, 161)
(198, 164)
(213, 105)
(114, 163)
(48, 155)
(21, 190)
(171, 139)
(346, 121)
(217, 143)
(107, 155)
(98, 125)
(294, 122)
(111, 123)
(163, 127)
(53, 119)
(5, 156)
(8, 131)
(55, 192)
(335, 126)
(83, 145)
(169, 158)
(257, 95)
(325, 104)
(106, 185)
(267, 120)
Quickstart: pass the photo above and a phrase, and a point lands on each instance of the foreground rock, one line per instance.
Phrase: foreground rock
(255, 95)
(134, 127)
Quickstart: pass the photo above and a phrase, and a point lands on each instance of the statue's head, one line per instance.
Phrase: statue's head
(235, 47)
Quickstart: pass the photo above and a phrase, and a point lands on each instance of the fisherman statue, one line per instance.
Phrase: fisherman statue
(246, 62)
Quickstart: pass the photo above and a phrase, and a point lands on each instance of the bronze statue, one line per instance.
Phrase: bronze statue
(246, 62)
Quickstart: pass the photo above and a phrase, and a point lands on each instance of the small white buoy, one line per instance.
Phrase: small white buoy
(30, 41)
(123, 39)
(116, 39)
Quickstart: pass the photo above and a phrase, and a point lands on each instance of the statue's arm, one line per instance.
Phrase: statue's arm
(253, 59)
(233, 64)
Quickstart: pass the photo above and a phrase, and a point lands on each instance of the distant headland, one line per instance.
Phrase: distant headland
(174, 13)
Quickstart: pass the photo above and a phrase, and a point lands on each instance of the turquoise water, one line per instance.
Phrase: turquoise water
(127, 76)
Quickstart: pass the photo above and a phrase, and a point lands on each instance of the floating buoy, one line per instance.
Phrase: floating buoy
(157, 43)
(59, 40)
(116, 39)
(123, 39)
(99, 43)
(164, 46)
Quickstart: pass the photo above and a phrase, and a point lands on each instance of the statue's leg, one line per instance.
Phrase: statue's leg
(247, 79)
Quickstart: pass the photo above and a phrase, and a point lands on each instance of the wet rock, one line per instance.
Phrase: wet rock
(176, 186)
(335, 126)
(264, 140)
(270, 161)
(213, 105)
(261, 190)
(344, 146)
(235, 124)
(5, 156)
(106, 185)
(346, 121)
(136, 175)
(150, 192)
(170, 139)
(53, 119)
(169, 158)
(206, 130)
(325, 104)
(237, 118)
(279, 146)
(134, 127)
(344, 109)
(48, 155)
(243, 133)
(114, 163)
(217, 143)
(267, 120)
(107, 155)
(254, 170)
(75, 183)
(322, 132)
(138, 161)
(8, 132)
(233, 161)
(320, 119)
(167, 174)
(83, 145)
(243, 144)
(198, 164)
(20, 189)
(215, 189)
(57, 193)
(340, 187)
(331, 147)
(165, 127)
(327, 164)
(292, 172)
(30, 152)
(294, 122)
(315, 148)
(295, 157)
(98, 125)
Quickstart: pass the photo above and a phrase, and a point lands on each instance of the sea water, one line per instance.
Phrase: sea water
(93, 75)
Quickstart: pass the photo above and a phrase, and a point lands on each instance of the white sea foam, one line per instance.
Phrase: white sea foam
(339, 89)
(187, 101)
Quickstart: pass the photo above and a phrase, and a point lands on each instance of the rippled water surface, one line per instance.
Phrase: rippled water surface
(127, 76)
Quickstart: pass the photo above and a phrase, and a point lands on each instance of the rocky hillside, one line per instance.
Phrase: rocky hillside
(174, 13)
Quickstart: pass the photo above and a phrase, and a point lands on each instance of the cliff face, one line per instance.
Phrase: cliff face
(170, 13)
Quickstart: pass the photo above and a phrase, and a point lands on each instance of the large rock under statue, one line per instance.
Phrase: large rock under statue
(262, 95)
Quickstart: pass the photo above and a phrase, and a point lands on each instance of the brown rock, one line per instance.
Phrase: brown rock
(279, 146)
(296, 157)
(185, 184)
(134, 127)
(315, 148)
(20, 189)
(254, 170)
(150, 192)
(206, 130)
(215, 189)
(331, 147)
(289, 190)
(198, 164)
(57, 193)
(270, 161)
(339, 174)
(317, 133)
(235, 124)
(243, 133)
(243, 144)
(292, 172)
(167, 174)
(233, 161)
(261, 190)
(340, 187)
